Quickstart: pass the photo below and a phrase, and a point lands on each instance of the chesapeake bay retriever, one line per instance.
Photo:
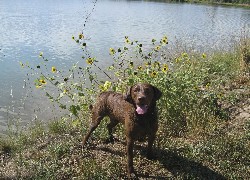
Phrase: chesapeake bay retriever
(136, 110)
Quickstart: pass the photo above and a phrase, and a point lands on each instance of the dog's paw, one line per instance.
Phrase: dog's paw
(132, 176)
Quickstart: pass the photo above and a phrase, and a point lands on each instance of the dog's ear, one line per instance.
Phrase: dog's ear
(127, 96)
(157, 93)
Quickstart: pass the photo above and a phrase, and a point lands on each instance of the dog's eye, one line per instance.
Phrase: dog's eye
(137, 89)
(146, 91)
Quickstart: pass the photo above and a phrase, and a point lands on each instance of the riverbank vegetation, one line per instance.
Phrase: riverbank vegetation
(225, 1)
(204, 117)
(242, 3)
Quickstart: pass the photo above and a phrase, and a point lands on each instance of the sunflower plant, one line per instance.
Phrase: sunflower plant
(182, 79)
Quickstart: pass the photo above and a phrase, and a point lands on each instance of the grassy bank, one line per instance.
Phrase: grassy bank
(204, 119)
(243, 3)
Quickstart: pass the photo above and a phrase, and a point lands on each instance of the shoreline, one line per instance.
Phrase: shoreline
(213, 3)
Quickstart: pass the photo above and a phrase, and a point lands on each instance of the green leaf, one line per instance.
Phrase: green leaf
(21, 64)
(74, 109)
(79, 88)
(76, 123)
(131, 81)
(49, 96)
(62, 106)
(91, 78)
(61, 95)
(81, 94)
(56, 83)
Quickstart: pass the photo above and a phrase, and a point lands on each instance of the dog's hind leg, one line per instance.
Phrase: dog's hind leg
(96, 119)
(110, 127)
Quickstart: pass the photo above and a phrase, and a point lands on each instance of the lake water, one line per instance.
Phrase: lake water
(28, 27)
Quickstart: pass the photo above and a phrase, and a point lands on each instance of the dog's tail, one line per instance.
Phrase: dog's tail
(90, 107)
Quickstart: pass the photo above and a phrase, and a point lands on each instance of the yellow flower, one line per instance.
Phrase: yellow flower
(139, 68)
(81, 36)
(164, 40)
(111, 51)
(53, 69)
(41, 54)
(157, 48)
(90, 61)
(65, 91)
(154, 74)
(196, 87)
(21, 64)
(165, 68)
(204, 56)
(165, 65)
(131, 63)
(184, 55)
(101, 87)
(38, 86)
(42, 81)
(127, 40)
(177, 60)
(107, 84)
(220, 96)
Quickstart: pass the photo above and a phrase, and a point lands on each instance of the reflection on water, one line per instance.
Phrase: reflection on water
(31, 26)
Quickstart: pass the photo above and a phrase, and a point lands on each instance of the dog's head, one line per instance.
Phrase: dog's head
(143, 96)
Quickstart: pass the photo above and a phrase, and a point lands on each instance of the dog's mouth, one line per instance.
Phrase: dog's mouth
(141, 109)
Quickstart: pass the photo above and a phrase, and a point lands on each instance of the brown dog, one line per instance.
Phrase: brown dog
(136, 110)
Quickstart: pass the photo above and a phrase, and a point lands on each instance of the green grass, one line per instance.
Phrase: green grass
(203, 131)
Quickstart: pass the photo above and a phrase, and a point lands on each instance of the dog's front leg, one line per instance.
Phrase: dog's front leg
(130, 167)
(151, 139)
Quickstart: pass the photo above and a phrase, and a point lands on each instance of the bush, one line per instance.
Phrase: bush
(188, 82)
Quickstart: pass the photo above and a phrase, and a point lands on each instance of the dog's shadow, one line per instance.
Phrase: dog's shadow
(177, 165)
(184, 167)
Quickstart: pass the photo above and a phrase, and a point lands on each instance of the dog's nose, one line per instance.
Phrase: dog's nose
(141, 98)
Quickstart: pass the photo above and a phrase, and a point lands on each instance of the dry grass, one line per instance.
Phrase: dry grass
(219, 154)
